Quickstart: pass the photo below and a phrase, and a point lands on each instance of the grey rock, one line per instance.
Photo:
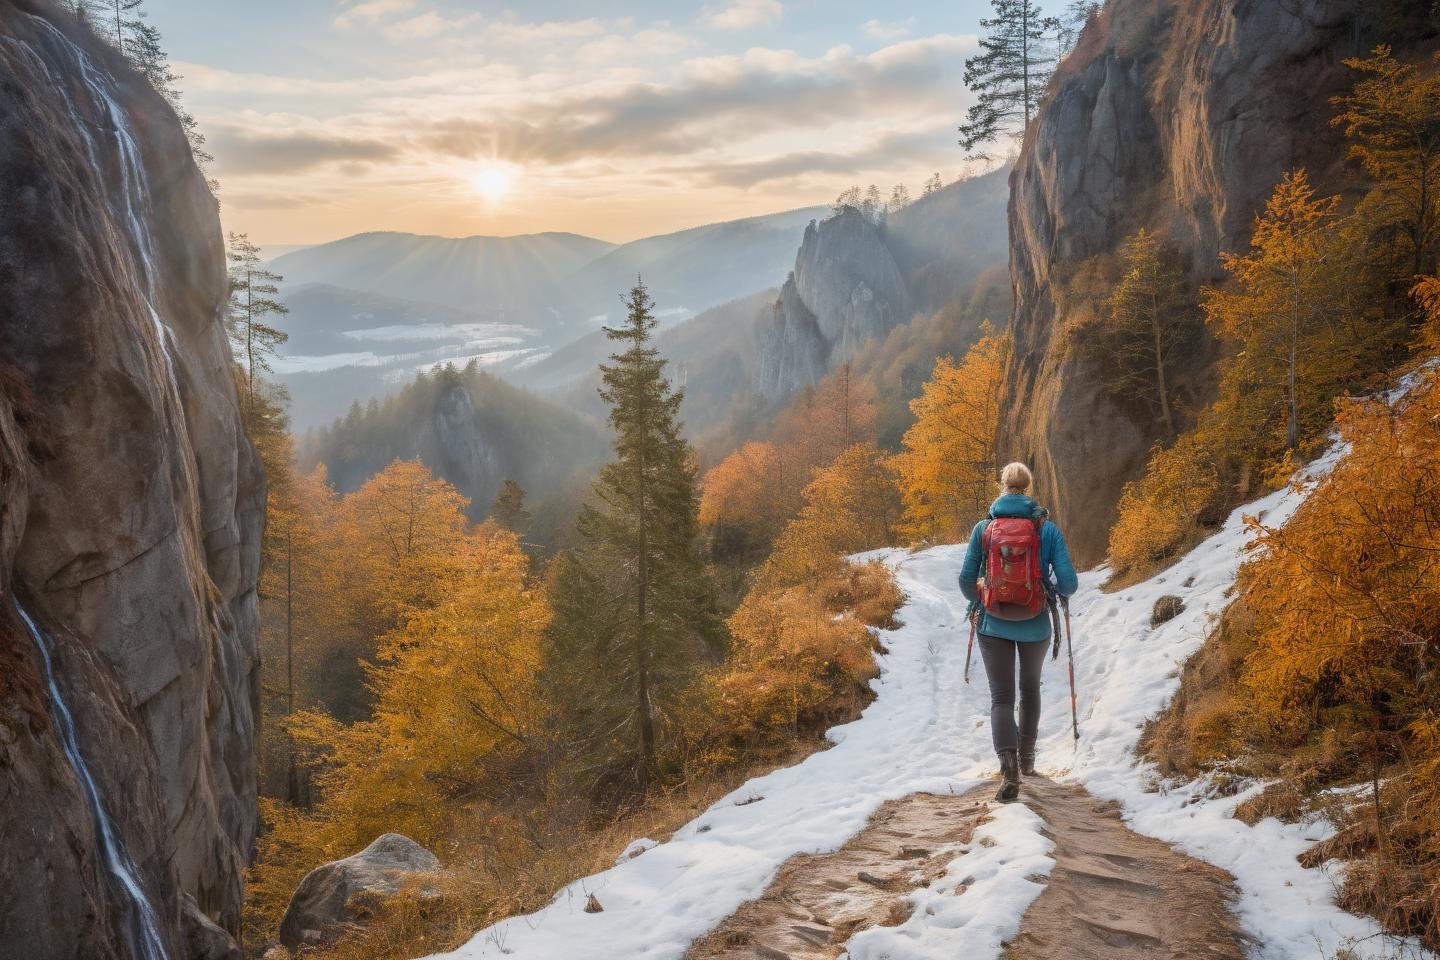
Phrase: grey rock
(845, 291)
(333, 896)
(204, 938)
(135, 536)
(1179, 118)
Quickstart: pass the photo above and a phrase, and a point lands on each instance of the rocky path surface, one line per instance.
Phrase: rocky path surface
(1110, 894)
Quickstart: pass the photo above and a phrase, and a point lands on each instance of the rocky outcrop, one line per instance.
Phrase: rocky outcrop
(846, 290)
(333, 896)
(855, 280)
(132, 511)
(1178, 117)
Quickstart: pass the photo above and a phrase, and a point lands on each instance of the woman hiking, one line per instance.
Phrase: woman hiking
(1016, 561)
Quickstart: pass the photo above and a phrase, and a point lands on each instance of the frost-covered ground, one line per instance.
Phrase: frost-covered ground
(927, 731)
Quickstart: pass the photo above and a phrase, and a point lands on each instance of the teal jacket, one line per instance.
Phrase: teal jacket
(1055, 564)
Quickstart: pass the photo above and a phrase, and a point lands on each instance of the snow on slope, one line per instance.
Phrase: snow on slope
(927, 731)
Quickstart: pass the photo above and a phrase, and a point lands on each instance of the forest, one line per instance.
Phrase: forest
(525, 712)
(535, 630)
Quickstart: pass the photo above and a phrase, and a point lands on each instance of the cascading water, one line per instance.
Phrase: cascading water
(146, 943)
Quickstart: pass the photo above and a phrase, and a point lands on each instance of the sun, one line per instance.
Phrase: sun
(493, 181)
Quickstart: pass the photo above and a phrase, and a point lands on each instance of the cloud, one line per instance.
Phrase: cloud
(717, 102)
(742, 14)
(889, 29)
(879, 154)
(371, 12)
(239, 150)
(426, 25)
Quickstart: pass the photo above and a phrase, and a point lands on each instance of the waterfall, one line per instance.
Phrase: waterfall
(146, 943)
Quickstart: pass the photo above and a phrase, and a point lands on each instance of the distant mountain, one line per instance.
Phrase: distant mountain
(692, 270)
(520, 277)
(470, 428)
(346, 345)
(368, 311)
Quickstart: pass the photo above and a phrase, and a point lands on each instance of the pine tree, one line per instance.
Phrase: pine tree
(252, 300)
(508, 507)
(899, 197)
(1009, 76)
(1077, 14)
(633, 601)
(935, 184)
(1147, 323)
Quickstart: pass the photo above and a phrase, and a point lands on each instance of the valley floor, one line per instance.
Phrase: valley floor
(985, 866)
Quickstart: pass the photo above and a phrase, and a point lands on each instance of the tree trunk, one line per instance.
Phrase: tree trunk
(1163, 388)
(292, 779)
(1292, 429)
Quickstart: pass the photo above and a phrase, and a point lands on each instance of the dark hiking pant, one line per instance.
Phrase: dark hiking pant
(1000, 656)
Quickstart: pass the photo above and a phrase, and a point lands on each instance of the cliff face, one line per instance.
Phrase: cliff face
(1174, 115)
(846, 289)
(855, 281)
(132, 513)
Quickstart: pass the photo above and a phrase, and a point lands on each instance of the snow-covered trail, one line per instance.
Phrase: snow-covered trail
(927, 731)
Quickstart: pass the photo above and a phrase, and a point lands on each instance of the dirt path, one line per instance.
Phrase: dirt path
(1116, 894)
(1112, 893)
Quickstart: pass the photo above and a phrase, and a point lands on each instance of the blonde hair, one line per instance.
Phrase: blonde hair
(1015, 478)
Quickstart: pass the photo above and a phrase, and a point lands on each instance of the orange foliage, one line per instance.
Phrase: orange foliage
(946, 470)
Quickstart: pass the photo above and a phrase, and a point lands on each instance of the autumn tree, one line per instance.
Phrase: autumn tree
(1009, 75)
(253, 303)
(633, 601)
(947, 468)
(748, 497)
(852, 505)
(1392, 120)
(1283, 300)
(827, 418)
(455, 704)
(1145, 328)
(508, 508)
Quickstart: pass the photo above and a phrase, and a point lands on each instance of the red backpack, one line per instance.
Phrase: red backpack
(1012, 586)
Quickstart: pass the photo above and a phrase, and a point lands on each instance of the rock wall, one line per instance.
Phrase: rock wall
(846, 290)
(855, 281)
(1175, 115)
(133, 505)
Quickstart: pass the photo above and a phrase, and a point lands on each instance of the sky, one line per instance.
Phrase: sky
(621, 120)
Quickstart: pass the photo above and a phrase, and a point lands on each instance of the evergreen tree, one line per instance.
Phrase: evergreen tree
(252, 301)
(633, 601)
(1077, 14)
(899, 197)
(1148, 322)
(1009, 75)
(934, 185)
(508, 507)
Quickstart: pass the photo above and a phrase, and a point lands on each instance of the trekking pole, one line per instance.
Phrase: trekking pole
(1070, 657)
(969, 615)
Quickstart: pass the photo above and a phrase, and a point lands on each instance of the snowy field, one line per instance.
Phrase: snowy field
(927, 731)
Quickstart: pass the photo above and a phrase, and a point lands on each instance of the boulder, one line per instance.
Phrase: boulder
(333, 896)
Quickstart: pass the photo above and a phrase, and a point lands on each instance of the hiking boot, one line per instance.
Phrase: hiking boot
(1027, 759)
(1009, 790)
